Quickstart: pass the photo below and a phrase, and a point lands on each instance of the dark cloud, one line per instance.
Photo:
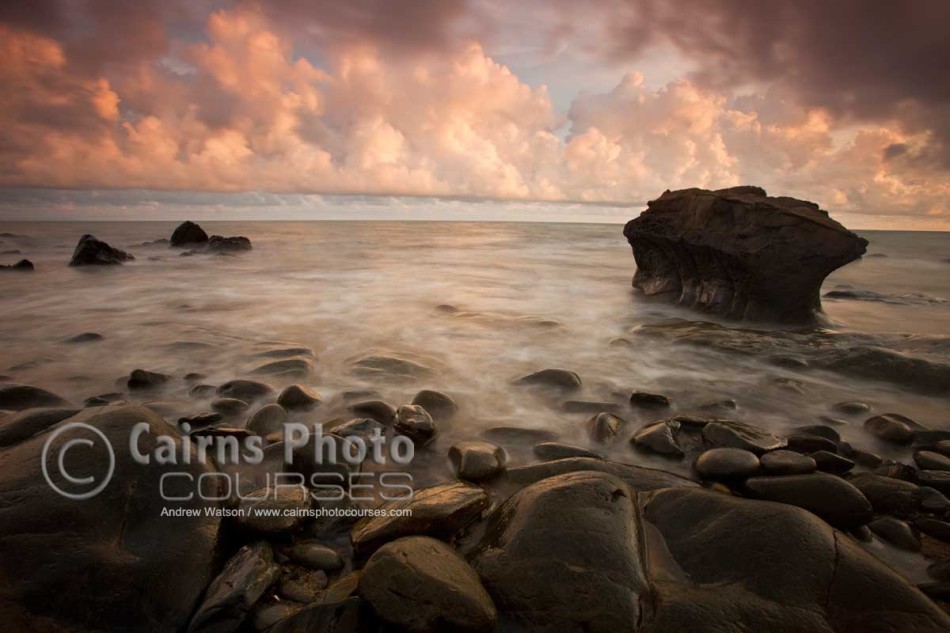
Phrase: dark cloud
(860, 59)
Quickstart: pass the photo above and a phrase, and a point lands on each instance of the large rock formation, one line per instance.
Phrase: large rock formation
(739, 253)
(93, 252)
(188, 234)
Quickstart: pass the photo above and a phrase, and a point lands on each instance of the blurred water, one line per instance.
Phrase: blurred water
(348, 289)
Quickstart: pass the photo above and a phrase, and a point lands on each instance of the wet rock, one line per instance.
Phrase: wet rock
(804, 443)
(421, 584)
(415, 423)
(895, 532)
(931, 460)
(932, 500)
(831, 463)
(341, 616)
(236, 244)
(439, 405)
(589, 406)
(559, 379)
(102, 399)
(933, 527)
(268, 419)
(831, 498)
(440, 511)
(939, 479)
(553, 450)
(512, 435)
(142, 380)
(235, 591)
(378, 410)
(739, 253)
(85, 337)
(92, 252)
(24, 265)
(731, 434)
(359, 427)
(285, 367)
(73, 565)
(866, 459)
(794, 574)
(273, 510)
(200, 420)
(659, 437)
(229, 406)
(897, 470)
(19, 397)
(726, 463)
(477, 461)
(315, 556)
(852, 407)
(603, 428)
(301, 584)
(188, 234)
(247, 390)
(543, 576)
(649, 401)
(391, 368)
(891, 427)
(783, 462)
(637, 477)
(298, 397)
(27, 423)
(819, 430)
(266, 615)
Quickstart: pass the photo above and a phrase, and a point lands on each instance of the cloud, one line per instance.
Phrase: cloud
(241, 106)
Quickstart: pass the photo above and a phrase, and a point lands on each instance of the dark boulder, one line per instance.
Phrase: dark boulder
(832, 498)
(110, 560)
(92, 252)
(739, 253)
(219, 244)
(565, 555)
(188, 234)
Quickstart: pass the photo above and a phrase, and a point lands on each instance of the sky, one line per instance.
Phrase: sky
(554, 110)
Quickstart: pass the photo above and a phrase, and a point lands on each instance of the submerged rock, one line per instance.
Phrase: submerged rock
(93, 252)
(558, 379)
(144, 380)
(564, 555)
(188, 234)
(219, 244)
(285, 367)
(24, 265)
(391, 368)
(739, 253)
(420, 584)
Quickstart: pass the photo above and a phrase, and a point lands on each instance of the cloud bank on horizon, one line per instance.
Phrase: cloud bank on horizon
(607, 101)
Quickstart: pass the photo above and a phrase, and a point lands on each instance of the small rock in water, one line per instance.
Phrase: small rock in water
(891, 427)
(719, 406)
(229, 406)
(896, 532)
(549, 451)
(422, 585)
(219, 244)
(831, 463)
(85, 337)
(274, 510)
(832, 498)
(439, 405)
(298, 397)
(931, 460)
(188, 234)
(142, 380)
(18, 397)
(285, 367)
(604, 427)
(659, 437)
(247, 390)
(231, 596)
(92, 252)
(852, 407)
(649, 401)
(785, 462)
(560, 379)
(477, 461)
(24, 265)
(415, 423)
(378, 410)
(268, 419)
(316, 556)
(726, 463)
(732, 434)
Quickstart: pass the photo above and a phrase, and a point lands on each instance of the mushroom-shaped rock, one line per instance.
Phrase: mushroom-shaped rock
(739, 253)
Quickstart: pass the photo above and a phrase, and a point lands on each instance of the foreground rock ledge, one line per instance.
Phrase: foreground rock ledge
(739, 253)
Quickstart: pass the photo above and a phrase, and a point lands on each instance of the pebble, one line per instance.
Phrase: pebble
(726, 463)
